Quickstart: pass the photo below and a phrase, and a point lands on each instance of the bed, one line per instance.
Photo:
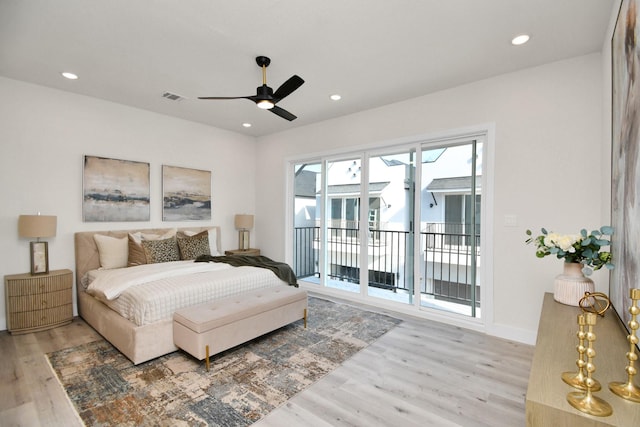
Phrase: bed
(142, 337)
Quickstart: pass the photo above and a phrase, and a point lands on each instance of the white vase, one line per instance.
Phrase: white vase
(570, 286)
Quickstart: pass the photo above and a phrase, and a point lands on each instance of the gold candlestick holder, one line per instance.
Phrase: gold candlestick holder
(576, 379)
(585, 401)
(628, 390)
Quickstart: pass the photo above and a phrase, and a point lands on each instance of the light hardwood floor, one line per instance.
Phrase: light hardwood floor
(422, 373)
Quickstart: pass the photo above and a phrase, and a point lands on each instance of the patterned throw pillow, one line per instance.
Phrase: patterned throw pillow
(194, 246)
(137, 255)
(161, 250)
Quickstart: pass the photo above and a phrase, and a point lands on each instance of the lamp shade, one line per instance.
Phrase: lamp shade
(37, 225)
(244, 222)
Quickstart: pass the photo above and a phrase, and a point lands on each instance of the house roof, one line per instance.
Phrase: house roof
(374, 187)
(460, 183)
(305, 184)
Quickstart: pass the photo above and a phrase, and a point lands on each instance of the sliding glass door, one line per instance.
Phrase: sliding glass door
(450, 227)
(342, 250)
(398, 224)
(390, 219)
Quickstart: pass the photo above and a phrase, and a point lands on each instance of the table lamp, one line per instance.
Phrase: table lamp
(243, 224)
(38, 226)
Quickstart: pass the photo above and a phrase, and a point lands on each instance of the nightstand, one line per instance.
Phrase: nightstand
(38, 302)
(250, 252)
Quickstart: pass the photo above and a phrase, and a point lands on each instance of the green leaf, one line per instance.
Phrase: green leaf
(586, 241)
(606, 229)
(603, 242)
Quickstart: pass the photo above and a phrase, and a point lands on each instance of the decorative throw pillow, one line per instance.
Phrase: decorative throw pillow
(137, 255)
(194, 246)
(213, 239)
(136, 252)
(112, 251)
(161, 250)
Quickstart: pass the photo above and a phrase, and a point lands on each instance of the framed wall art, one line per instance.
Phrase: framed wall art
(115, 190)
(625, 159)
(186, 194)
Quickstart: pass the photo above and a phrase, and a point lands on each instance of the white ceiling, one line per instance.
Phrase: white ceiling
(372, 52)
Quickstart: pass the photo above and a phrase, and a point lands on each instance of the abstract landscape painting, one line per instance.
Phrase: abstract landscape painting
(625, 159)
(186, 194)
(115, 190)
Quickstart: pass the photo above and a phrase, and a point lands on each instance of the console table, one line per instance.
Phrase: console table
(555, 352)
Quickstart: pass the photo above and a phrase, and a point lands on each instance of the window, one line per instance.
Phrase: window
(418, 240)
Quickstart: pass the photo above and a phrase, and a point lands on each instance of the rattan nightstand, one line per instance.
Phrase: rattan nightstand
(38, 302)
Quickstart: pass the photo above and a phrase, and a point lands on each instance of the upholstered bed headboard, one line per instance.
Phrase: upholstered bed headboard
(86, 250)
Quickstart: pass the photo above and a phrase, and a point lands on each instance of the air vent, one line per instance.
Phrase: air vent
(172, 96)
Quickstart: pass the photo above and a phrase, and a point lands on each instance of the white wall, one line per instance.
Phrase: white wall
(44, 135)
(547, 168)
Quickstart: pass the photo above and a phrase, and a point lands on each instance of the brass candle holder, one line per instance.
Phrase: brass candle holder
(585, 401)
(576, 379)
(628, 390)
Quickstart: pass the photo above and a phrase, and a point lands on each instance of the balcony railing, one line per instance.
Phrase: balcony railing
(446, 262)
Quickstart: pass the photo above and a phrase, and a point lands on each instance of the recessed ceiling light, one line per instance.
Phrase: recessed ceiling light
(247, 125)
(335, 97)
(70, 76)
(521, 39)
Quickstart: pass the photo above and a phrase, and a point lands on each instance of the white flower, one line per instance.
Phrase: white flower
(562, 241)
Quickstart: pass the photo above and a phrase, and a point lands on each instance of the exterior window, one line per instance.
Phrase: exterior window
(416, 240)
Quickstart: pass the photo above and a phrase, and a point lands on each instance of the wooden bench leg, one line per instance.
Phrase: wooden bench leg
(305, 318)
(207, 357)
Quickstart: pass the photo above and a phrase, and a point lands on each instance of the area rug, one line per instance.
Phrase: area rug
(244, 384)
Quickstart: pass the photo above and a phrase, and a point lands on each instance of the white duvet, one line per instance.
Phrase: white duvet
(147, 293)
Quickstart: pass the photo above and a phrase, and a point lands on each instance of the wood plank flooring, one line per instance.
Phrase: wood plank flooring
(422, 373)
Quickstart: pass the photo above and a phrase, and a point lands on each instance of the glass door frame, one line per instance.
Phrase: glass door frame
(485, 133)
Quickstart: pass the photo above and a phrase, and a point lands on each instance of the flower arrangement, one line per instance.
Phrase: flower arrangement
(581, 248)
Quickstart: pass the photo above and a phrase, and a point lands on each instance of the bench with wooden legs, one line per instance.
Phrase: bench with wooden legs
(210, 328)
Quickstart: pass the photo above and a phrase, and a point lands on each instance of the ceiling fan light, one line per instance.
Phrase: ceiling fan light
(265, 104)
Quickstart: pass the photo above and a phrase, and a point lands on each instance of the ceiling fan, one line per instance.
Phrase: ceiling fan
(265, 97)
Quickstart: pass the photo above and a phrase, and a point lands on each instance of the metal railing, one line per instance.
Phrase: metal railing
(446, 259)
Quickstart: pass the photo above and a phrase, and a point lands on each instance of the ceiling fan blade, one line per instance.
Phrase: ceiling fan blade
(226, 97)
(287, 87)
(282, 113)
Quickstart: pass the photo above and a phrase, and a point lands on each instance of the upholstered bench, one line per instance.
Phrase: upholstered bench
(209, 328)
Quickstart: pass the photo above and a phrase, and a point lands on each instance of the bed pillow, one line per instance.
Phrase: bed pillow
(136, 252)
(193, 246)
(112, 251)
(137, 255)
(213, 239)
(164, 250)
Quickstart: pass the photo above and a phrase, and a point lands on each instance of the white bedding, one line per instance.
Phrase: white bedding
(151, 292)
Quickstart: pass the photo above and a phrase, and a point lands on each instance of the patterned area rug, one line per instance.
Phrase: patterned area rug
(244, 384)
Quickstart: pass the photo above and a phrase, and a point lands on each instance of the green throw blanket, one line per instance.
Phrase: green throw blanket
(281, 269)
